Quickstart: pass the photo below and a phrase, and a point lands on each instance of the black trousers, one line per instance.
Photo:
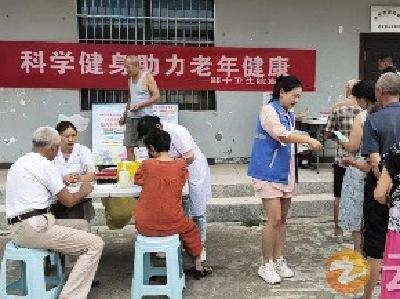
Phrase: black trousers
(376, 219)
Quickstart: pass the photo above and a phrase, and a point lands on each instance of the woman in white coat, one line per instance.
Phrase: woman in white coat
(75, 164)
(184, 146)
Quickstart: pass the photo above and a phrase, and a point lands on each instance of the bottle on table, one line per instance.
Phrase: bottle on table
(124, 176)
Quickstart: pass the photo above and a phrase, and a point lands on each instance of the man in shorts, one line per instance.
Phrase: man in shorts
(143, 93)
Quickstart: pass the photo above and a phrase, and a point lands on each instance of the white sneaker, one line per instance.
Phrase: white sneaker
(282, 269)
(268, 273)
(203, 255)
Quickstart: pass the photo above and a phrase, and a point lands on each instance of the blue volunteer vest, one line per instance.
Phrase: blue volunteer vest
(270, 159)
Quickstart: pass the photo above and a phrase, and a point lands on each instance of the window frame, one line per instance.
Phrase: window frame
(110, 21)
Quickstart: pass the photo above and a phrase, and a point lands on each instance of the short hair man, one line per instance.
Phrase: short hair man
(143, 93)
(341, 119)
(32, 181)
(385, 64)
(381, 131)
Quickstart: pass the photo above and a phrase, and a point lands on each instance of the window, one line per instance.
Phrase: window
(163, 22)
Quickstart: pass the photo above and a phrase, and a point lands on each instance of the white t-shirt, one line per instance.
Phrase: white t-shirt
(31, 182)
(81, 160)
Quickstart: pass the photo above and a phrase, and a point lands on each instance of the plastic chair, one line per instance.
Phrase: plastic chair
(32, 283)
(143, 269)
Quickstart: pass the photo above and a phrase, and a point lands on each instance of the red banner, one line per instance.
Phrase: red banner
(74, 65)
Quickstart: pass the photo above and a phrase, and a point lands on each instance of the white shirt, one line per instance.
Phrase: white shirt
(181, 141)
(31, 182)
(81, 161)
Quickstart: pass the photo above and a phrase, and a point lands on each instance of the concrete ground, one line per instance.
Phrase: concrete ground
(233, 251)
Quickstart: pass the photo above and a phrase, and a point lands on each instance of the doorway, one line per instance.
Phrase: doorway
(373, 45)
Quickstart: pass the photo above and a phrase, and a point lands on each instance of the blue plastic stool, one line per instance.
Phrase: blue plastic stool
(143, 269)
(32, 282)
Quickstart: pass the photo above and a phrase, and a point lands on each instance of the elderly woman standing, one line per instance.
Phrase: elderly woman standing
(272, 168)
(352, 196)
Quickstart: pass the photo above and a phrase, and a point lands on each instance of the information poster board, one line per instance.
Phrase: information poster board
(108, 135)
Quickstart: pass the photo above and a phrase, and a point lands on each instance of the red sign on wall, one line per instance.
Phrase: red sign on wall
(74, 65)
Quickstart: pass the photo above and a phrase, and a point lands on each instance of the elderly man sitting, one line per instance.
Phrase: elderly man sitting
(31, 182)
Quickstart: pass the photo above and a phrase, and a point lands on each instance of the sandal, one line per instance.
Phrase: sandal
(198, 274)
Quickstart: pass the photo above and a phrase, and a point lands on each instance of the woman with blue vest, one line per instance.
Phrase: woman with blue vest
(272, 168)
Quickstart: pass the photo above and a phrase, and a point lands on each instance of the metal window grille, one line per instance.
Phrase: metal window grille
(164, 22)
